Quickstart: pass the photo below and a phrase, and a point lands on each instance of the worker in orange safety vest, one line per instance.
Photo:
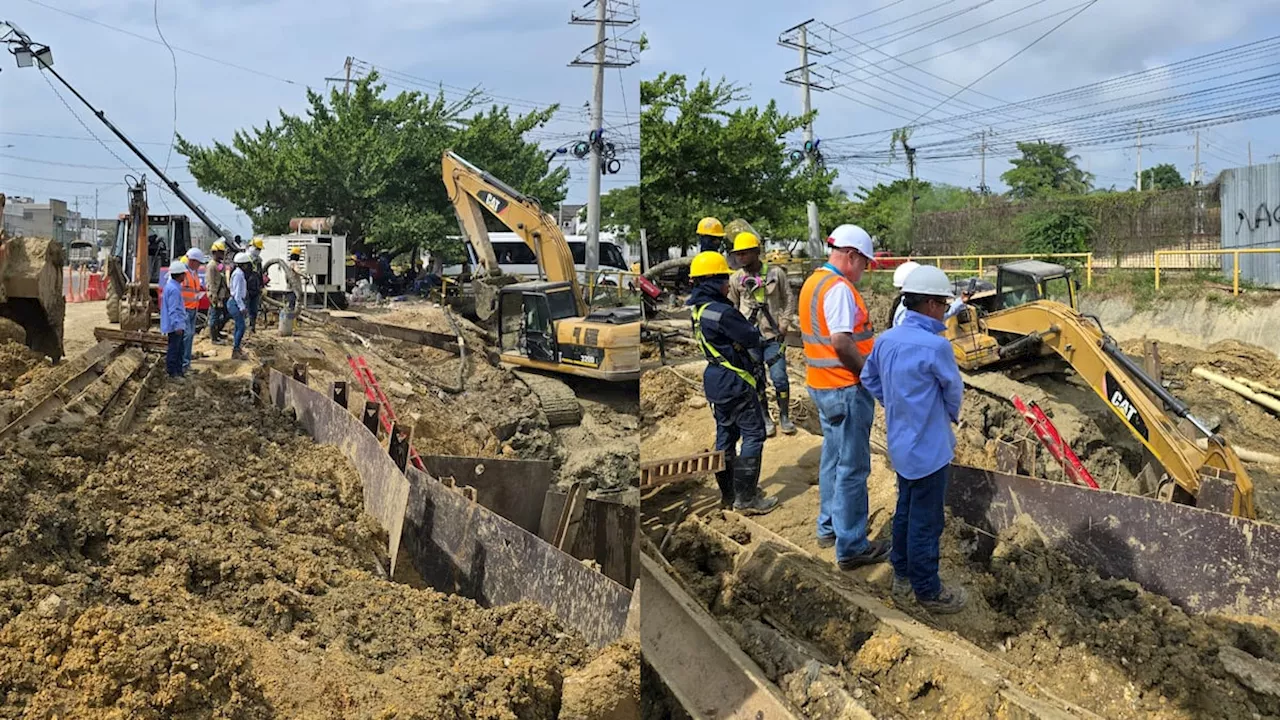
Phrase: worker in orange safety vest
(838, 336)
(192, 293)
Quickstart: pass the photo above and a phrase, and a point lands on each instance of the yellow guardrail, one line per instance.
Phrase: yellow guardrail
(1235, 260)
(981, 260)
(616, 279)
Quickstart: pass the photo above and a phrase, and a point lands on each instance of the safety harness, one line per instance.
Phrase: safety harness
(713, 355)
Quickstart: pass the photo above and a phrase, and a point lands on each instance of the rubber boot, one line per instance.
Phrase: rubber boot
(769, 429)
(724, 479)
(784, 413)
(746, 486)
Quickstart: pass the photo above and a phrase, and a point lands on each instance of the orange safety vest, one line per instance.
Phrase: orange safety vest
(191, 290)
(824, 371)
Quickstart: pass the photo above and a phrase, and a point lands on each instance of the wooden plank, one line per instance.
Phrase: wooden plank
(570, 517)
(669, 470)
(440, 341)
(145, 339)
(607, 536)
(131, 410)
(94, 360)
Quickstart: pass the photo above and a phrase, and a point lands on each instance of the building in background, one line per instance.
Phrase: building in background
(25, 216)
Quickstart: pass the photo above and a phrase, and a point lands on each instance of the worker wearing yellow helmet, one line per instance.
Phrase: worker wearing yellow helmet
(255, 282)
(710, 234)
(727, 340)
(218, 281)
(763, 294)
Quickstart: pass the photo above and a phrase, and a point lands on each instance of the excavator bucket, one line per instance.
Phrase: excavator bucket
(31, 291)
(135, 313)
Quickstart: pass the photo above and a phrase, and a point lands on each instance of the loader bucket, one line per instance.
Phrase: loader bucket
(31, 294)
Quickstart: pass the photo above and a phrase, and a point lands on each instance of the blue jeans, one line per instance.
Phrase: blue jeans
(173, 355)
(741, 418)
(917, 528)
(846, 415)
(238, 316)
(188, 338)
(778, 370)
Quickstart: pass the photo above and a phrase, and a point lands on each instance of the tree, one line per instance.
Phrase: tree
(620, 213)
(885, 209)
(374, 162)
(700, 157)
(1064, 229)
(1045, 169)
(1161, 177)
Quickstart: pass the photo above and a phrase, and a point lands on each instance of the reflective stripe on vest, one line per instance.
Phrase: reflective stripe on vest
(191, 290)
(713, 355)
(824, 370)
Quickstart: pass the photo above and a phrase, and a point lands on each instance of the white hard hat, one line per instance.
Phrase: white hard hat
(928, 280)
(852, 236)
(242, 257)
(178, 268)
(900, 274)
(197, 255)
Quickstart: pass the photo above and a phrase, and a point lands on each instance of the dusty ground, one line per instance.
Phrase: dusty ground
(78, 325)
(229, 572)
(1106, 645)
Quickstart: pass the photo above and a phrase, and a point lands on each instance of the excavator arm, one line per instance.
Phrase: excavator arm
(472, 190)
(1098, 360)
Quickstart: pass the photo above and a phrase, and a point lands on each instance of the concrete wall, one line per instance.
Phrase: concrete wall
(1197, 324)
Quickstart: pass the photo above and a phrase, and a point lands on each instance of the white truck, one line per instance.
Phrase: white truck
(320, 258)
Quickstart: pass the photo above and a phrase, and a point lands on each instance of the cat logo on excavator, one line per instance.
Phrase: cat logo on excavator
(495, 204)
(1124, 405)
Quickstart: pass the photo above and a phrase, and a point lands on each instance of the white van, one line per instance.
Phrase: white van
(516, 258)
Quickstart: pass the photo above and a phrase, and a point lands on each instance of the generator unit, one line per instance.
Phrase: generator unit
(321, 260)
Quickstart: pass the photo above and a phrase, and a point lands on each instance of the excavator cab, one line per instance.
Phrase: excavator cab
(527, 316)
(1024, 281)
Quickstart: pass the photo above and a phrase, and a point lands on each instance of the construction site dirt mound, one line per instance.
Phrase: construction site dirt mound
(16, 360)
(1104, 645)
(216, 562)
(663, 392)
(607, 688)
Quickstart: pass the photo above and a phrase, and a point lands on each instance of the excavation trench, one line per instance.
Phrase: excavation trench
(212, 559)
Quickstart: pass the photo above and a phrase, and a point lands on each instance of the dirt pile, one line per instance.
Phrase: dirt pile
(1104, 645)
(602, 451)
(607, 688)
(216, 561)
(16, 360)
(662, 394)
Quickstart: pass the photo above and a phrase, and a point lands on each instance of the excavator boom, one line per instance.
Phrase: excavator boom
(472, 190)
(1095, 356)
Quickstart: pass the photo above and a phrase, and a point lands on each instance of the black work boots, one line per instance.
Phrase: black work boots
(746, 487)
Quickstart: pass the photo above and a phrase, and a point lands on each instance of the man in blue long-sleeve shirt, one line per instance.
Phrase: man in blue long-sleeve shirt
(173, 318)
(912, 372)
(730, 380)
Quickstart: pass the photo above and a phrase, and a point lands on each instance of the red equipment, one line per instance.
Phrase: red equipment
(1049, 437)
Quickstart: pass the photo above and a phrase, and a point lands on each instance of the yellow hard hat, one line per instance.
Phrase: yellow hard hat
(257, 242)
(745, 241)
(219, 245)
(710, 226)
(708, 263)
(182, 260)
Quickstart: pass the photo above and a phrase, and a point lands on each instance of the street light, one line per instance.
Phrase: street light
(23, 50)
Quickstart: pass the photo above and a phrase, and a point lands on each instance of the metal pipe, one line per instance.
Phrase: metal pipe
(1135, 371)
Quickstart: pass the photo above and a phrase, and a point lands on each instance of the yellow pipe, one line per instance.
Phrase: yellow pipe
(1158, 269)
(1235, 273)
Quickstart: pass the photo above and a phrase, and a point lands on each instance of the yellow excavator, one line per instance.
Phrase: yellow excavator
(31, 291)
(1033, 312)
(543, 324)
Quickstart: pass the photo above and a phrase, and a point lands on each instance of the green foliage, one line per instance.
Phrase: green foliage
(885, 210)
(703, 153)
(1164, 176)
(1065, 229)
(374, 162)
(1045, 169)
(620, 213)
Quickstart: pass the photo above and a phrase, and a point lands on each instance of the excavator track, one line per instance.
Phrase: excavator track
(559, 403)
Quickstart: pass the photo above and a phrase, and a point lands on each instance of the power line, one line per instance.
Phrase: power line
(144, 38)
(873, 11)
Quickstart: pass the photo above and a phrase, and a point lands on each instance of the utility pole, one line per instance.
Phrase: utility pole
(1250, 153)
(982, 177)
(1195, 171)
(604, 56)
(95, 219)
(798, 38)
(1139, 156)
(346, 79)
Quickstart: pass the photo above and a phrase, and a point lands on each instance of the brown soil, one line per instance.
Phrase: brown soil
(215, 562)
(608, 687)
(1104, 645)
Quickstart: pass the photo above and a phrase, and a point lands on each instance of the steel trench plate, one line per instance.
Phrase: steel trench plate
(386, 489)
(1203, 561)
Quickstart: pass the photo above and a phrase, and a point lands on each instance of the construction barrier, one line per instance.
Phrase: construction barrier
(1235, 260)
(80, 285)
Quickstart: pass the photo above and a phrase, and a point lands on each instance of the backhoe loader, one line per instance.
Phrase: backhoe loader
(1033, 313)
(543, 324)
(31, 290)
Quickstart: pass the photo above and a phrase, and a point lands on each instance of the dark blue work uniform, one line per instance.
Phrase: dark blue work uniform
(726, 338)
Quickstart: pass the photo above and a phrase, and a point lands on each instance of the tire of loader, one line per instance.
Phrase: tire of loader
(115, 289)
(558, 401)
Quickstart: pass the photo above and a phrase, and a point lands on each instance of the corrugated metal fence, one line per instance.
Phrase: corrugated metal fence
(1251, 219)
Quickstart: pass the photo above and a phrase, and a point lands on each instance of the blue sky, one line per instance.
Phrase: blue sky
(516, 49)
(1108, 39)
